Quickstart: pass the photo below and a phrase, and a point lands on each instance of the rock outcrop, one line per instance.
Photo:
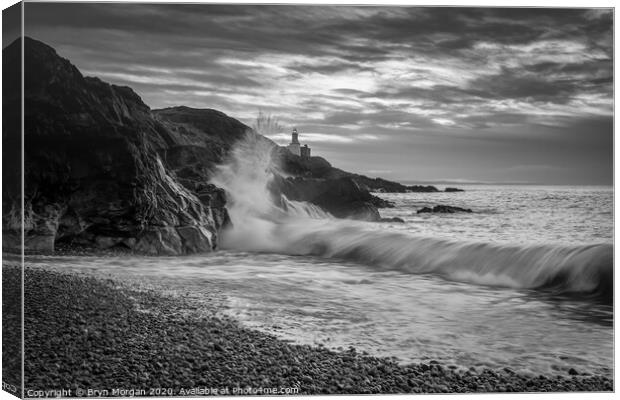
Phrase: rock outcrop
(341, 197)
(319, 168)
(443, 209)
(314, 180)
(101, 169)
(451, 189)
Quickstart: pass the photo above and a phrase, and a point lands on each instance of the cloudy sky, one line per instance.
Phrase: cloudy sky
(406, 93)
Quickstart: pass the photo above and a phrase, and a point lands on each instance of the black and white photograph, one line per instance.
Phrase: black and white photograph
(218, 199)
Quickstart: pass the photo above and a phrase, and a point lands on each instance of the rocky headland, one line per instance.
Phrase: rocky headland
(101, 169)
(319, 168)
(105, 172)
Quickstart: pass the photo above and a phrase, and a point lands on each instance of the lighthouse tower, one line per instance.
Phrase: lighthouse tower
(294, 146)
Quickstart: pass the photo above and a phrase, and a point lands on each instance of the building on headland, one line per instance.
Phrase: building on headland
(295, 148)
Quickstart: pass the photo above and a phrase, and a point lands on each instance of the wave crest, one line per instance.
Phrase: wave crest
(265, 223)
(562, 269)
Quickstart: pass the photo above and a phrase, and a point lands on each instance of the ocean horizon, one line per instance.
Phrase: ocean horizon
(456, 183)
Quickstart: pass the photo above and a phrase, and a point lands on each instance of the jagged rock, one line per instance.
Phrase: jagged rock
(443, 209)
(195, 238)
(341, 197)
(159, 241)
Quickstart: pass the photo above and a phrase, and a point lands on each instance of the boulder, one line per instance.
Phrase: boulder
(451, 189)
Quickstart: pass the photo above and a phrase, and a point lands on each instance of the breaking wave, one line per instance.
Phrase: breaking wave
(264, 222)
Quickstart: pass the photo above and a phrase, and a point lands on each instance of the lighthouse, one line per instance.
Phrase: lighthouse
(294, 146)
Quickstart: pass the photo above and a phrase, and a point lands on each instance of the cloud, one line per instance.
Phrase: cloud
(406, 76)
(310, 138)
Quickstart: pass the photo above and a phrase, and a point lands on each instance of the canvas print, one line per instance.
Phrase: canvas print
(231, 199)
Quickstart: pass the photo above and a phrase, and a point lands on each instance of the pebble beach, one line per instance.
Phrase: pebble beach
(97, 337)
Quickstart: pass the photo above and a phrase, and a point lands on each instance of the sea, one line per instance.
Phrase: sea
(523, 282)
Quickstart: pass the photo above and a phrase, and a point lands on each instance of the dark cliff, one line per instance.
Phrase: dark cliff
(314, 180)
(101, 168)
(103, 171)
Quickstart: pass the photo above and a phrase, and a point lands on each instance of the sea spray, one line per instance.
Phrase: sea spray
(257, 212)
(266, 222)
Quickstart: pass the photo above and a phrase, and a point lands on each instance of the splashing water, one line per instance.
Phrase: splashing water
(257, 214)
(263, 222)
